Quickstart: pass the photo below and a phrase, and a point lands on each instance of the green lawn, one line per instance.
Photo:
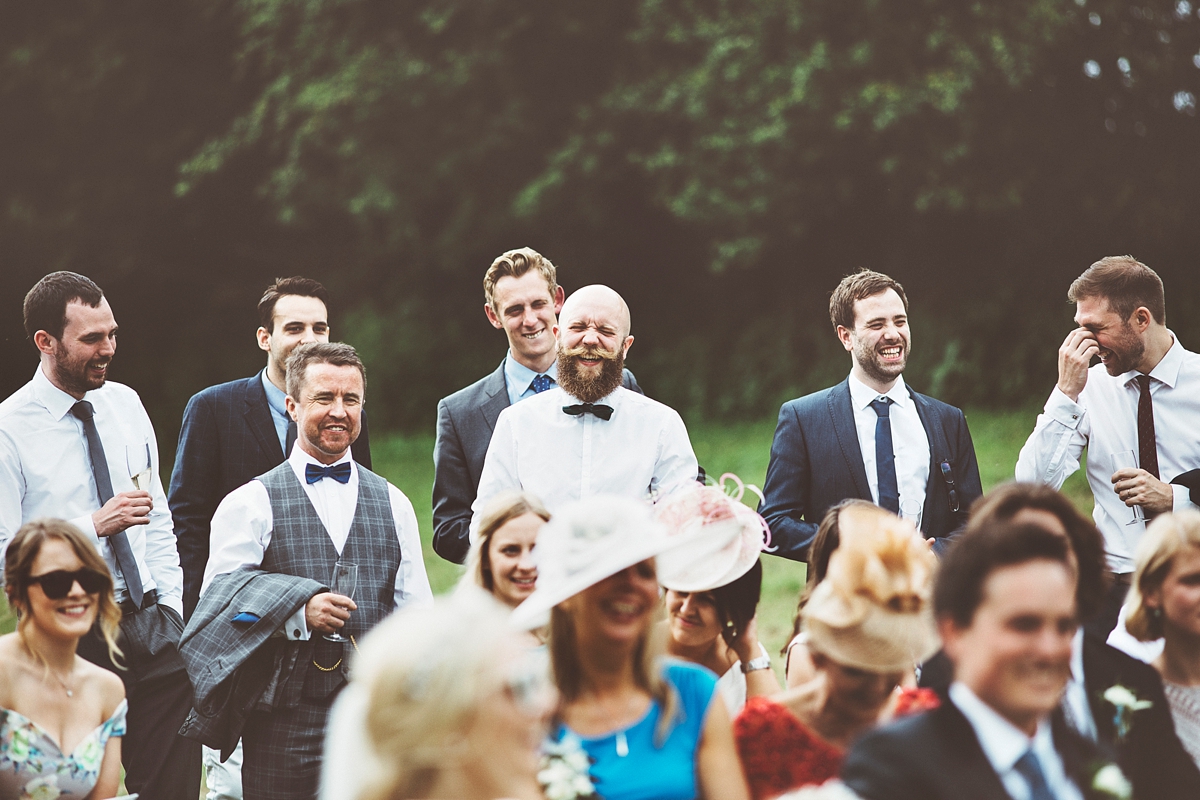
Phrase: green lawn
(741, 448)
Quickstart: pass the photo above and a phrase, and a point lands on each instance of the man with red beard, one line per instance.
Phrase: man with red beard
(589, 435)
(1143, 398)
(870, 437)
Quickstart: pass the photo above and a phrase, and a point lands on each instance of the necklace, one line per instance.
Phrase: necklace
(70, 692)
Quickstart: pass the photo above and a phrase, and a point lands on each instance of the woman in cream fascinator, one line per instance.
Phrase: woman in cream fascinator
(869, 623)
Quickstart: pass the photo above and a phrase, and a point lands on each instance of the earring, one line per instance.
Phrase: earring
(1156, 614)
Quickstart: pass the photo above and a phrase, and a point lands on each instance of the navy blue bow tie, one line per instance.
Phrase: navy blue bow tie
(339, 472)
(599, 409)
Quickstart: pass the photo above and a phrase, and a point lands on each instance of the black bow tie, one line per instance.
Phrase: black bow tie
(339, 472)
(598, 409)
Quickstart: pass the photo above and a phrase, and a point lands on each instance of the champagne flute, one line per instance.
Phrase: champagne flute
(345, 577)
(1127, 459)
(911, 510)
(137, 459)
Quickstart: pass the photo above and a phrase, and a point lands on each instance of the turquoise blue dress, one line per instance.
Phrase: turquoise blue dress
(32, 767)
(627, 765)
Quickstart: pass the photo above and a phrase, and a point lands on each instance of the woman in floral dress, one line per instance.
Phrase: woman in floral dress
(61, 718)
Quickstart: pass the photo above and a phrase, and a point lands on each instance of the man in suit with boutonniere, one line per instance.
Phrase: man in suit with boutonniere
(871, 436)
(1005, 605)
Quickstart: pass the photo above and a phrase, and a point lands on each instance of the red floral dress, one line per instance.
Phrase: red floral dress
(780, 753)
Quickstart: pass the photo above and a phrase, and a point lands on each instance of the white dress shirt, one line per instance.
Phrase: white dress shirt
(910, 444)
(243, 524)
(518, 379)
(46, 471)
(643, 450)
(1003, 744)
(1075, 697)
(1105, 422)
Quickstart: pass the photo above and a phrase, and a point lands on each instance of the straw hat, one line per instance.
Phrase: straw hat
(725, 536)
(873, 610)
(584, 543)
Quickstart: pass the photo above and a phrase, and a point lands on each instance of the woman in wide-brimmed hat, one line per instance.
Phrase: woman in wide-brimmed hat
(712, 602)
(869, 622)
(647, 726)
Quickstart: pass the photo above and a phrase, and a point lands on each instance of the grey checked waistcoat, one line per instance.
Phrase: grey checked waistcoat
(301, 546)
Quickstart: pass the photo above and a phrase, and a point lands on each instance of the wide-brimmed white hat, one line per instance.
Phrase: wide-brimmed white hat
(586, 542)
(725, 537)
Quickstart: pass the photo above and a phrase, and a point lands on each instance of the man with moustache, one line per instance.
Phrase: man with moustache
(77, 446)
(1004, 599)
(589, 435)
(316, 510)
(521, 296)
(870, 437)
(1143, 398)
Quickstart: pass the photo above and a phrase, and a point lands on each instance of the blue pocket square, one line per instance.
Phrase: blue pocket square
(246, 617)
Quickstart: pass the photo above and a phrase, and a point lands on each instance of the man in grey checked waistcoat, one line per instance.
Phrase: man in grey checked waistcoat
(317, 510)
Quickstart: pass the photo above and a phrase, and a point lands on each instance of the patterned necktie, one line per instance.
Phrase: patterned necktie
(596, 409)
(119, 542)
(541, 383)
(1147, 449)
(885, 457)
(1029, 769)
(339, 472)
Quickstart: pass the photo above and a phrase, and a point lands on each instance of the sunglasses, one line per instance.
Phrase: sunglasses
(948, 479)
(57, 584)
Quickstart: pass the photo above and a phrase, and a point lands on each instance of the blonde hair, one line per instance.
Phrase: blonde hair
(499, 511)
(23, 550)
(421, 675)
(514, 264)
(1166, 537)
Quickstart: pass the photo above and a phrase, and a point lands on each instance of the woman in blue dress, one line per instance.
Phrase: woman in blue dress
(648, 725)
(61, 718)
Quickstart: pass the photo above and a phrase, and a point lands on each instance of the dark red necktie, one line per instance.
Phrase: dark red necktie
(1147, 450)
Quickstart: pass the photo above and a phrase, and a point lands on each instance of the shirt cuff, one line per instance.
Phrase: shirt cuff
(1183, 498)
(296, 628)
(1063, 409)
(87, 525)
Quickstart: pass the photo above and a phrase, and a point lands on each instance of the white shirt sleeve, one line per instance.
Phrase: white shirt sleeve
(1052, 452)
(500, 471)
(412, 584)
(162, 548)
(676, 465)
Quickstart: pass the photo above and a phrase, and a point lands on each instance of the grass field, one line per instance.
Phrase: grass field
(741, 448)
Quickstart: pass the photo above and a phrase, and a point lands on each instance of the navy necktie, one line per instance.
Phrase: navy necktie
(119, 542)
(541, 383)
(885, 457)
(597, 409)
(339, 472)
(1029, 769)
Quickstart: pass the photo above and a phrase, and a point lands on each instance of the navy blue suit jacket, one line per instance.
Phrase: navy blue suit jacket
(228, 439)
(816, 463)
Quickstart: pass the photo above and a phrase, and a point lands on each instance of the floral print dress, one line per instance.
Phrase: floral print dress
(33, 767)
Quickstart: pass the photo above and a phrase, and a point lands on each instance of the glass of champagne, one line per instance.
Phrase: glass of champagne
(1127, 459)
(911, 510)
(345, 577)
(137, 459)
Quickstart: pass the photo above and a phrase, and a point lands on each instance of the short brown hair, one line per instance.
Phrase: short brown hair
(297, 285)
(1126, 283)
(23, 550)
(1004, 502)
(46, 303)
(862, 284)
(516, 263)
(337, 353)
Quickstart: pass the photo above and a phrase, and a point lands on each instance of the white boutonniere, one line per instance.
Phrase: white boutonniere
(1110, 781)
(1126, 703)
(563, 770)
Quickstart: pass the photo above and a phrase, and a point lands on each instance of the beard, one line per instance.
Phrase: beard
(72, 373)
(585, 386)
(867, 357)
(1126, 352)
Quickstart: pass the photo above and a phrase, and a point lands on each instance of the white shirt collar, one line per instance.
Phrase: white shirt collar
(519, 376)
(1077, 656)
(56, 401)
(861, 395)
(1167, 369)
(299, 459)
(1003, 743)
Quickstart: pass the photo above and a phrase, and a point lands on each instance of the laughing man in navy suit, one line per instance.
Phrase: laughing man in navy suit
(522, 297)
(871, 436)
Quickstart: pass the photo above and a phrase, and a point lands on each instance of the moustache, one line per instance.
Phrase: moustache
(588, 353)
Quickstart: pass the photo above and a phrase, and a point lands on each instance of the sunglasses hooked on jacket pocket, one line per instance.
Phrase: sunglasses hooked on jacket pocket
(951, 490)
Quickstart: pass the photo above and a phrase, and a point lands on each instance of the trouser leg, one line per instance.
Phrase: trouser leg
(159, 763)
(282, 752)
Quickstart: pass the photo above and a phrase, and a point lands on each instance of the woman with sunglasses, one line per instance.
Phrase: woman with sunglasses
(443, 702)
(632, 724)
(61, 718)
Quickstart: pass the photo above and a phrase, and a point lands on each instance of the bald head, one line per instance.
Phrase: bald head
(596, 304)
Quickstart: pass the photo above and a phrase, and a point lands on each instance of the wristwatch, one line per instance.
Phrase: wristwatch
(762, 662)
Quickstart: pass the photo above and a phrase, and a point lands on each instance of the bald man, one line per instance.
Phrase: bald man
(589, 435)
